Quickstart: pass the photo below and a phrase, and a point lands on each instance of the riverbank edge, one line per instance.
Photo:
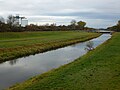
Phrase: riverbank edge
(49, 73)
(14, 53)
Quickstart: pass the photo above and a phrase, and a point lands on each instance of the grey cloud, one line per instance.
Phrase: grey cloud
(92, 15)
(101, 11)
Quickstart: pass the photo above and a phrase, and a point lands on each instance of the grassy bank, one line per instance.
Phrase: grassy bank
(98, 70)
(14, 45)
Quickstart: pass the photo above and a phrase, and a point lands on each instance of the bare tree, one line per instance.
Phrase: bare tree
(10, 20)
(89, 46)
(73, 23)
(2, 20)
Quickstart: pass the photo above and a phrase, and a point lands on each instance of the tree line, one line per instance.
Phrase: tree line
(10, 26)
(115, 27)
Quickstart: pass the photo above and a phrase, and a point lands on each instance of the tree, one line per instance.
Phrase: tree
(89, 46)
(10, 20)
(73, 23)
(2, 23)
(2, 20)
(81, 24)
(115, 28)
(53, 26)
(3, 27)
(118, 23)
(118, 26)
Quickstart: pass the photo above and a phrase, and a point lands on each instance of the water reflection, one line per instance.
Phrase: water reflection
(18, 70)
(13, 62)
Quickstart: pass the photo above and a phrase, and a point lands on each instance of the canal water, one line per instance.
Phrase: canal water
(19, 70)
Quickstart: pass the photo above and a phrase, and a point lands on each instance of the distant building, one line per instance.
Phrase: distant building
(20, 21)
(24, 22)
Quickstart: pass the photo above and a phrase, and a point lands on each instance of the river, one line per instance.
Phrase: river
(21, 69)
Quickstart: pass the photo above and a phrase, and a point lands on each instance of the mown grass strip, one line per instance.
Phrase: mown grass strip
(98, 70)
(20, 48)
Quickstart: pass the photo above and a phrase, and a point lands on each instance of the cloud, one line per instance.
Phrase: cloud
(62, 11)
(60, 20)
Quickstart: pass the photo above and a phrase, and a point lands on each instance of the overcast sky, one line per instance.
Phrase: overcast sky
(97, 13)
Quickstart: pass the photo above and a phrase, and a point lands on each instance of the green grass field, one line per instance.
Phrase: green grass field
(98, 70)
(18, 44)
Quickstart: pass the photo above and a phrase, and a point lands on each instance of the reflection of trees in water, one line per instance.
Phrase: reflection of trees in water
(74, 45)
(13, 62)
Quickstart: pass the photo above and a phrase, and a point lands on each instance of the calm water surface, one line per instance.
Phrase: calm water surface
(21, 69)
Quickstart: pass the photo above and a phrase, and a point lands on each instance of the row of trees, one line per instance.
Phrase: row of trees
(115, 28)
(74, 25)
(9, 25)
(79, 25)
